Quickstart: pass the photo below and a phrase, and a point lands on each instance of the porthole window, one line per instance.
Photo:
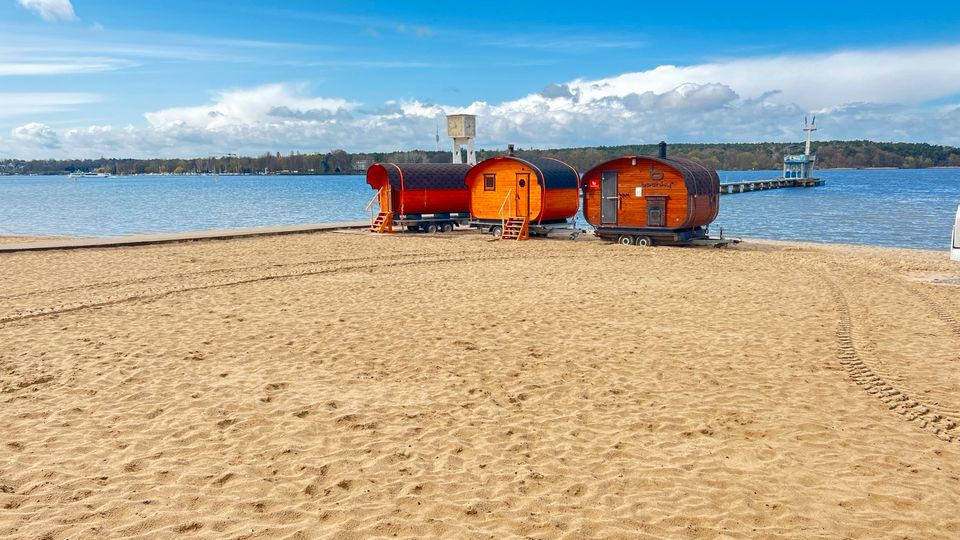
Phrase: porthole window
(489, 182)
(523, 183)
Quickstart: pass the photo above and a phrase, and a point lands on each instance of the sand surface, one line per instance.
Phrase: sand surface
(342, 385)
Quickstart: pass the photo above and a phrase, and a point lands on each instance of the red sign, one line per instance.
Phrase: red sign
(594, 183)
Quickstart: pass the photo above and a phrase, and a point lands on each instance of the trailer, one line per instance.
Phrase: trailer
(644, 237)
(495, 228)
(431, 223)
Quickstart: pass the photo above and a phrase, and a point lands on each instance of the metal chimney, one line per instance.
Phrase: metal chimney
(509, 149)
(663, 150)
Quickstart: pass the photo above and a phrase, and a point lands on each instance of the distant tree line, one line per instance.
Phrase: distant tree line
(740, 156)
(759, 156)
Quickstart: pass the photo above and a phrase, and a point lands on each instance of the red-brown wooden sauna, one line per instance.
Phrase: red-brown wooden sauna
(428, 196)
(511, 195)
(642, 199)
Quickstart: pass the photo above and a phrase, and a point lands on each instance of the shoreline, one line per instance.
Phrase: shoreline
(220, 234)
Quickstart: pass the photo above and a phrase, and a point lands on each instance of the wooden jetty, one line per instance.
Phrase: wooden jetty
(742, 186)
(797, 170)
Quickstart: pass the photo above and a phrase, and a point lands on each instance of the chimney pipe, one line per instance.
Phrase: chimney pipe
(663, 149)
(509, 149)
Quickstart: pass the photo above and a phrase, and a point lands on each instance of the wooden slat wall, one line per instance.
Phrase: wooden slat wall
(645, 174)
(486, 204)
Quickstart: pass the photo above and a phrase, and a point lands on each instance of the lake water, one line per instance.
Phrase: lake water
(904, 208)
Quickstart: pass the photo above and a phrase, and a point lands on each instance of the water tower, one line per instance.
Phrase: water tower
(462, 128)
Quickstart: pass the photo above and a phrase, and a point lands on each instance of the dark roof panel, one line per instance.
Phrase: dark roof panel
(556, 174)
(701, 180)
(427, 176)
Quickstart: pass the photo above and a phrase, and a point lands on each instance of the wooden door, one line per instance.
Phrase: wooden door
(522, 208)
(609, 198)
(386, 198)
(656, 211)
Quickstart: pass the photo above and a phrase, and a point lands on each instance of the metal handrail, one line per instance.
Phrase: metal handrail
(376, 198)
(503, 218)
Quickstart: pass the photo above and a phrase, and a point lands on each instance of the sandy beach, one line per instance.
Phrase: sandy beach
(343, 385)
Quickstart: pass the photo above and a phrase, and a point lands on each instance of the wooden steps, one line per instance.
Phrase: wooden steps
(383, 223)
(516, 229)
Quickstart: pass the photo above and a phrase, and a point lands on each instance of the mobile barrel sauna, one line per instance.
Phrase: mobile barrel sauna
(513, 197)
(645, 200)
(418, 196)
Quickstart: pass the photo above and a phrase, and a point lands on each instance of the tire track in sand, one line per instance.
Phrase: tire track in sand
(181, 275)
(923, 415)
(941, 312)
(142, 295)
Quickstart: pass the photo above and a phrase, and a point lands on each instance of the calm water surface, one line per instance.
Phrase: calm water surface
(905, 208)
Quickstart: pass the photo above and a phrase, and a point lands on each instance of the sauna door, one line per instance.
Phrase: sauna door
(609, 199)
(523, 195)
(656, 211)
(386, 198)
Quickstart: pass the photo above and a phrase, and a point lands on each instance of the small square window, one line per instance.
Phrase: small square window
(489, 182)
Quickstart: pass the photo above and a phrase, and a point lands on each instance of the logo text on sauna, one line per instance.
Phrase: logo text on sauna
(655, 174)
(657, 184)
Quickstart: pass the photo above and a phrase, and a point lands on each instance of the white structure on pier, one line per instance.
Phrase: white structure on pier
(801, 165)
(462, 128)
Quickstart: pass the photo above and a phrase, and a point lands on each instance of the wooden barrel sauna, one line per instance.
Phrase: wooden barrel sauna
(643, 198)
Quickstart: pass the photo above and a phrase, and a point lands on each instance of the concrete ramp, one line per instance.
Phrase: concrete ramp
(164, 238)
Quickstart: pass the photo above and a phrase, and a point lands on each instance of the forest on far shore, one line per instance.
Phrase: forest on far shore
(721, 156)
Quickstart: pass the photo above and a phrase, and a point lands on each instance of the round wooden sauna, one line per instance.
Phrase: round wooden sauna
(430, 196)
(539, 190)
(643, 199)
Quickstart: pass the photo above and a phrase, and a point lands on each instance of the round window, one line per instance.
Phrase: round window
(523, 183)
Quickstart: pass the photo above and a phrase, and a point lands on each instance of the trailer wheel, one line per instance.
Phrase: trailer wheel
(644, 241)
(447, 227)
(496, 231)
(430, 228)
(625, 240)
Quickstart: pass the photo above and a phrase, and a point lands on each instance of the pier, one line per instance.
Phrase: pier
(742, 186)
(797, 170)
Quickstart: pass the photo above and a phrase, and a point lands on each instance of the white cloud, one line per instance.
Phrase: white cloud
(903, 75)
(19, 104)
(880, 95)
(61, 66)
(36, 134)
(50, 10)
(272, 104)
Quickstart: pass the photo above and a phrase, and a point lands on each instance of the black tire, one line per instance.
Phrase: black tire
(447, 227)
(644, 241)
(430, 228)
(496, 231)
(625, 240)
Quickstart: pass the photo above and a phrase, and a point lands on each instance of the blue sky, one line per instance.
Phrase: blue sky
(85, 78)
